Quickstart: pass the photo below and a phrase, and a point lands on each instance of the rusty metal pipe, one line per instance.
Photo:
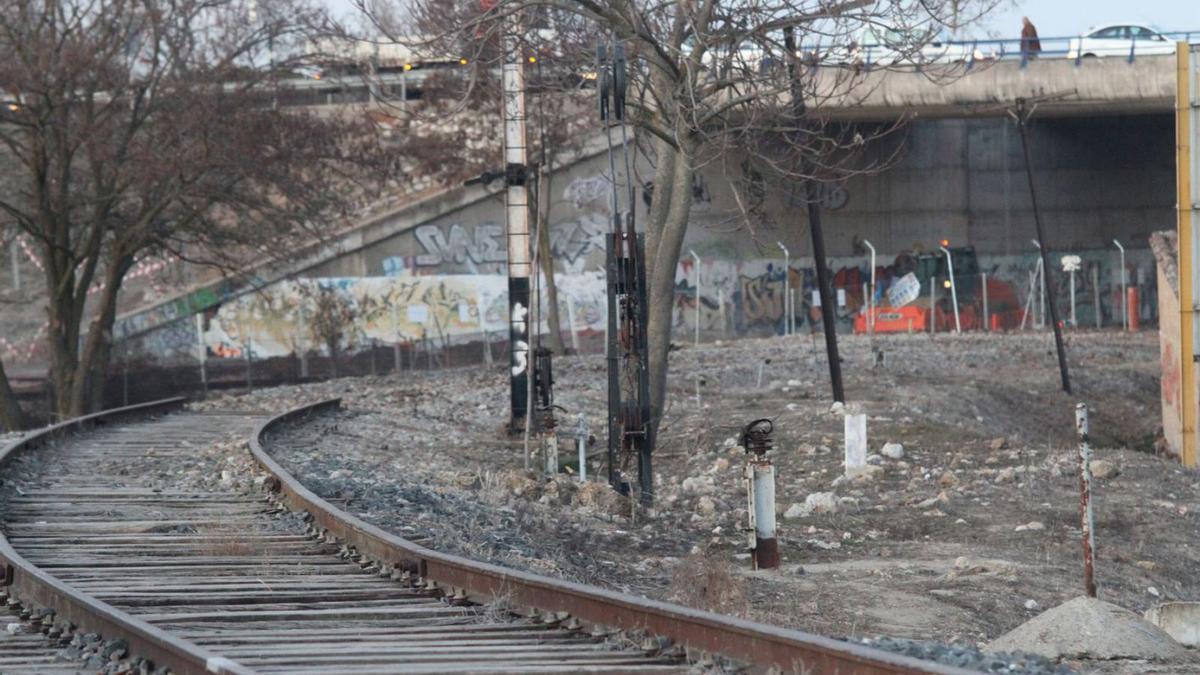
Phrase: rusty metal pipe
(1086, 519)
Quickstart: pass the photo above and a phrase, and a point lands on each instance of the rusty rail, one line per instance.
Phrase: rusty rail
(755, 643)
(32, 586)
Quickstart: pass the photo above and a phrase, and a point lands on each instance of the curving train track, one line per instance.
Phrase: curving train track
(112, 557)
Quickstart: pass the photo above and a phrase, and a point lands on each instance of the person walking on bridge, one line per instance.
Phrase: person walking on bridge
(1030, 45)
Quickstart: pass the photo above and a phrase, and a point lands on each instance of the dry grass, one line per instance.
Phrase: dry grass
(706, 581)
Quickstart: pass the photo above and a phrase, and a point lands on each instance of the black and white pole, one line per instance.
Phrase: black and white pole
(516, 204)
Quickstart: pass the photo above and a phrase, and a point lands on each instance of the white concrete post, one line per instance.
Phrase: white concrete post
(550, 453)
(856, 444)
(1124, 294)
(953, 288)
(1096, 292)
(696, 261)
(787, 294)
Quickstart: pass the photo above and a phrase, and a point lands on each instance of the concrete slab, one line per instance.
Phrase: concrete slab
(1180, 620)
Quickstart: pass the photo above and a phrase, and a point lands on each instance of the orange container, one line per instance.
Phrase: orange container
(1135, 318)
(894, 320)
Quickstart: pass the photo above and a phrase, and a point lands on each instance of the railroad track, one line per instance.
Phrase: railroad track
(114, 550)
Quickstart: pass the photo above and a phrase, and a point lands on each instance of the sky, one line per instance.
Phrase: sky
(1058, 18)
(1061, 18)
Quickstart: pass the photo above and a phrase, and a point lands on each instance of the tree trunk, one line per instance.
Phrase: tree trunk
(660, 200)
(11, 415)
(661, 275)
(546, 260)
(99, 374)
(92, 366)
(64, 357)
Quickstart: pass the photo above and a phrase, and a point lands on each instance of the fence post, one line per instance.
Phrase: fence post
(202, 352)
(987, 324)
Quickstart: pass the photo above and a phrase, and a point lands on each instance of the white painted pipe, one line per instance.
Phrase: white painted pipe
(696, 258)
(1124, 294)
(953, 288)
(787, 294)
(871, 297)
(764, 501)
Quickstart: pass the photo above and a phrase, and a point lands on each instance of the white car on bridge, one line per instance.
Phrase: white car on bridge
(1123, 39)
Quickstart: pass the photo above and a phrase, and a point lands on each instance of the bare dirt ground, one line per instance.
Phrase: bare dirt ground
(973, 531)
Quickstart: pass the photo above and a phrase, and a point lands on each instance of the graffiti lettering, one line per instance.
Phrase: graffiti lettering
(520, 346)
(762, 299)
(593, 192)
(573, 240)
(458, 247)
(520, 357)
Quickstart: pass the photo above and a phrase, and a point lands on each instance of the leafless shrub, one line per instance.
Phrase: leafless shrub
(705, 580)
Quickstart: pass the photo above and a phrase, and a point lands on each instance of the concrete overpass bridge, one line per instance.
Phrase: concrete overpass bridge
(987, 88)
(1061, 87)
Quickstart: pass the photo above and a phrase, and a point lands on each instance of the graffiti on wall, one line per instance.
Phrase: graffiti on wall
(454, 244)
(445, 308)
(572, 242)
(736, 298)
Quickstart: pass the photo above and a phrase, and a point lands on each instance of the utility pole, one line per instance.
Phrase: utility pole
(516, 204)
(1022, 116)
(630, 428)
(812, 197)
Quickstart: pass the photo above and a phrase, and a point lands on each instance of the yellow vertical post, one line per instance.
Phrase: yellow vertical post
(1185, 110)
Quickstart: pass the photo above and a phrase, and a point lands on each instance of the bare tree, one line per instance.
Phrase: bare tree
(742, 84)
(138, 128)
(332, 321)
